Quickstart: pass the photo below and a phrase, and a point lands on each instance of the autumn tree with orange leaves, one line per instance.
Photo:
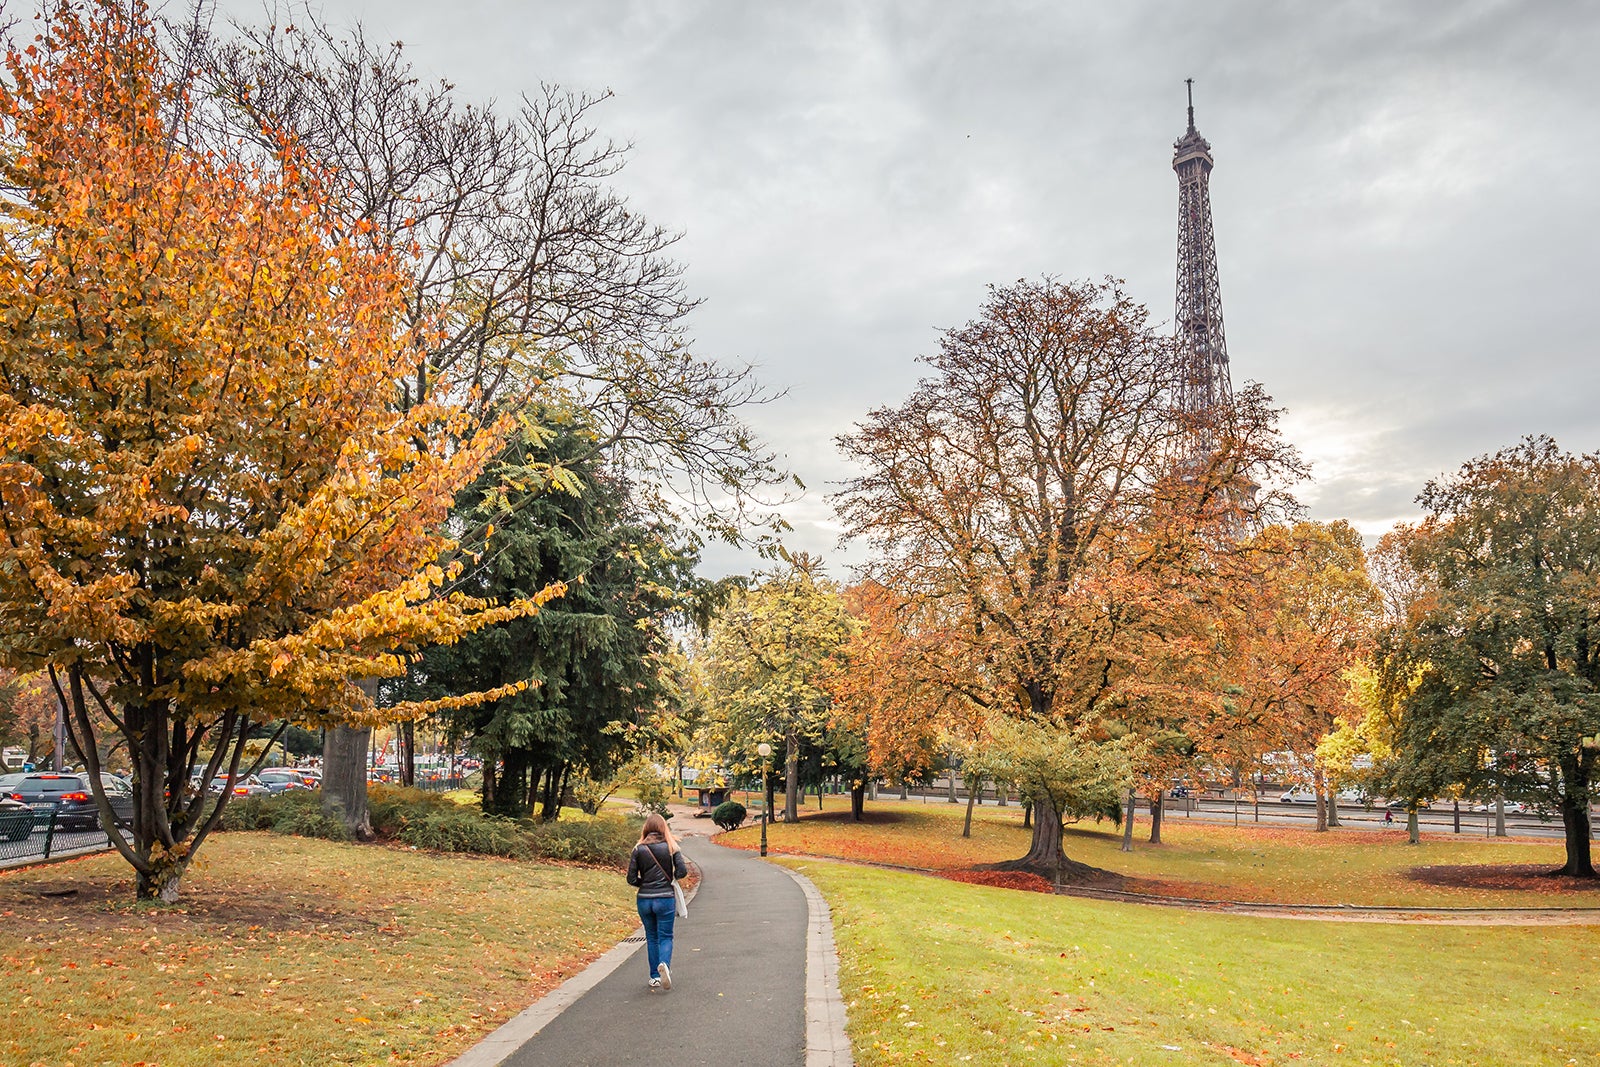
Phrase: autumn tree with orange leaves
(1041, 488)
(214, 514)
(1306, 622)
(889, 688)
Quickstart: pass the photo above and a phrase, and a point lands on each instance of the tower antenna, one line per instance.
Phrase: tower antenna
(1190, 83)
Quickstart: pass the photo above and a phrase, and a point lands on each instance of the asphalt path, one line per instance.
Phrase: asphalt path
(738, 982)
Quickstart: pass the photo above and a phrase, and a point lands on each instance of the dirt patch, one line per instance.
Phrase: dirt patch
(1527, 877)
(94, 905)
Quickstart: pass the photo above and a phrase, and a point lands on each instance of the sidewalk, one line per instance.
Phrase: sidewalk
(752, 982)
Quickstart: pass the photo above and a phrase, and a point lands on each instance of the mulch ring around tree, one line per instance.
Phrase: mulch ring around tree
(1531, 877)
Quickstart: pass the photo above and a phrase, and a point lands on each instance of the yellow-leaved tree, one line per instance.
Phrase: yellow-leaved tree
(214, 513)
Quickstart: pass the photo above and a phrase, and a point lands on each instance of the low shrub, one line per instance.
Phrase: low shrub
(389, 807)
(298, 812)
(729, 815)
(247, 813)
(464, 830)
(309, 820)
(602, 839)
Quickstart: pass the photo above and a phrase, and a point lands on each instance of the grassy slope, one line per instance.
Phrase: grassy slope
(1211, 860)
(291, 951)
(940, 972)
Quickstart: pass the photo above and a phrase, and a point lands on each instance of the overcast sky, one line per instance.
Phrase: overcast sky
(1403, 196)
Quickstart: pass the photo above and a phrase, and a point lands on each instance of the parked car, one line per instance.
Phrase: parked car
(1402, 805)
(70, 797)
(282, 779)
(246, 786)
(1298, 796)
(16, 819)
(1180, 792)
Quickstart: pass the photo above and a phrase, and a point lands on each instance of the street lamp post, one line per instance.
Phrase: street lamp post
(766, 794)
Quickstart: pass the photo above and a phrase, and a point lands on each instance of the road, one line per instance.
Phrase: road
(1438, 819)
(1273, 812)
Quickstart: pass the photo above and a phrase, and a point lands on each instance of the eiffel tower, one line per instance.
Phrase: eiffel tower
(1202, 345)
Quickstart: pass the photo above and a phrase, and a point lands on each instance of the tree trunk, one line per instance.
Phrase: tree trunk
(1000, 791)
(1044, 851)
(1457, 812)
(1322, 812)
(1156, 808)
(344, 779)
(1027, 814)
(1499, 816)
(406, 753)
(1127, 822)
(1413, 828)
(872, 789)
(791, 778)
(858, 800)
(1333, 808)
(162, 886)
(951, 796)
(1580, 861)
(905, 789)
(972, 801)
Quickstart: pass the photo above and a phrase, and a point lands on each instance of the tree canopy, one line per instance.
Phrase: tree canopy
(1492, 673)
(214, 513)
(1041, 489)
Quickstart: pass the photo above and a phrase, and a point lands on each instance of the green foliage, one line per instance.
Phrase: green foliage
(1493, 674)
(604, 840)
(730, 815)
(598, 655)
(298, 813)
(1078, 778)
(652, 786)
(591, 794)
(463, 830)
(427, 820)
(771, 661)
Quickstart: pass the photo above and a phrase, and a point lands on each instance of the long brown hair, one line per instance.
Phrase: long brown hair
(655, 824)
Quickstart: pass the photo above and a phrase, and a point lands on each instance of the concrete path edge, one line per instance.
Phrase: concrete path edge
(827, 1043)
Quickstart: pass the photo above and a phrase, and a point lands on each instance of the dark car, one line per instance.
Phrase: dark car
(69, 796)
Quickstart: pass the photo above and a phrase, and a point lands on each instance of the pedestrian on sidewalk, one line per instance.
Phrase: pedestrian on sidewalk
(656, 862)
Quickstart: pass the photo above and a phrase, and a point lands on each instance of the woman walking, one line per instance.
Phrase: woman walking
(655, 864)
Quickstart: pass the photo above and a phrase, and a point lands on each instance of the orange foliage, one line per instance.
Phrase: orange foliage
(213, 507)
(1031, 883)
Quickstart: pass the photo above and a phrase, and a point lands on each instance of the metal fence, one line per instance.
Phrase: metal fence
(28, 836)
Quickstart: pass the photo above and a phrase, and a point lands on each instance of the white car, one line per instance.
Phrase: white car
(1298, 796)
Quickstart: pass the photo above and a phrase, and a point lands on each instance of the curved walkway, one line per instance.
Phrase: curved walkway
(753, 981)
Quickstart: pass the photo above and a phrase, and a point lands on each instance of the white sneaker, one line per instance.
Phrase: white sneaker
(655, 985)
(666, 976)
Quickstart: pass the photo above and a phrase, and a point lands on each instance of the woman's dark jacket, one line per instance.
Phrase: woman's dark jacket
(649, 876)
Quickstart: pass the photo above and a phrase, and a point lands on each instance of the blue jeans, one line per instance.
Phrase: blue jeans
(658, 914)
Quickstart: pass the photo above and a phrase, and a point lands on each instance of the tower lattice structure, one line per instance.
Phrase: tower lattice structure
(1202, 344)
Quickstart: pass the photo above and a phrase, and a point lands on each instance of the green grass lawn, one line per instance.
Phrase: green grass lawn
(1197, 859)
(939, 972)
(288, 950)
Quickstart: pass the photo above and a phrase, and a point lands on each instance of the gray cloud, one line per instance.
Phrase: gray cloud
(1401, 195)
